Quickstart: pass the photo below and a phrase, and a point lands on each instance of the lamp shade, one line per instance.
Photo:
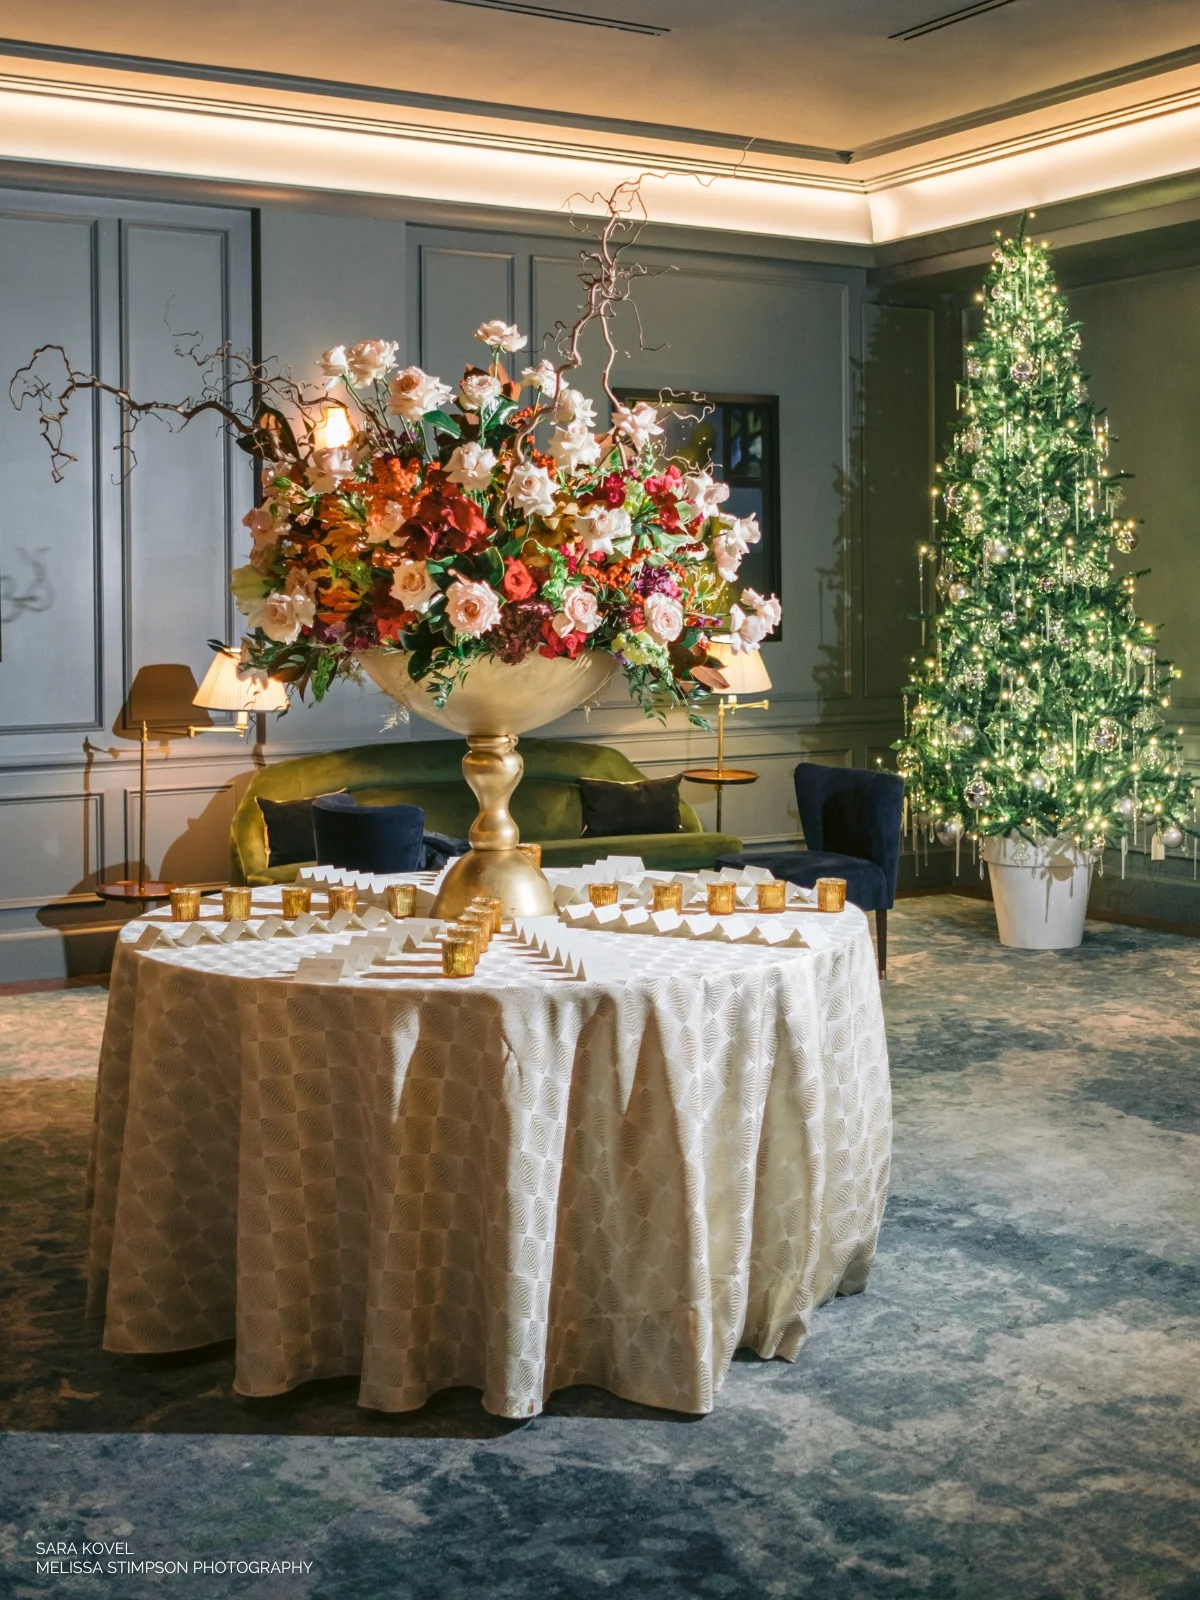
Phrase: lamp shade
(743, 670)
(223, 690)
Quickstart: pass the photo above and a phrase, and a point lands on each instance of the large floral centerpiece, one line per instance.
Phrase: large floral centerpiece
(481, 552)
(487, 520)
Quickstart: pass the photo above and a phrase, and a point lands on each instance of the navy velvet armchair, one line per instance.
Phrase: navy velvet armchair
(851, 825)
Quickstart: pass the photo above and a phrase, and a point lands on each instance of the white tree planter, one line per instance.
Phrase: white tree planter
(1040, 891)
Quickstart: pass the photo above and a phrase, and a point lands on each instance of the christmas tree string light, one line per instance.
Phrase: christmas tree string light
(1038, 703)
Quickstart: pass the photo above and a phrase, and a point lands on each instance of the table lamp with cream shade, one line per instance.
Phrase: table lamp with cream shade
(742, 672)
(223, 690)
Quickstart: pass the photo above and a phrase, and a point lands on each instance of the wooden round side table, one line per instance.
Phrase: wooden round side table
(717, 778)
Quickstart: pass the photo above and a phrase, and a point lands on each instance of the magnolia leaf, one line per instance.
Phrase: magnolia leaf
(442, 422)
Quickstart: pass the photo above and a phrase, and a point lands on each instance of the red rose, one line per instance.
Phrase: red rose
(556, 644)
(518, 581)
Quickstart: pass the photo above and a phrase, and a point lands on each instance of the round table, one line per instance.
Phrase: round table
(517, 1181)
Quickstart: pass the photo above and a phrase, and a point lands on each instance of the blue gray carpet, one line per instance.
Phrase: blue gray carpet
(1010, 1412)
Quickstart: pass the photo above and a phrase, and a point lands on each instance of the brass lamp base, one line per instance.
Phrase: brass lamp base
(494, 865)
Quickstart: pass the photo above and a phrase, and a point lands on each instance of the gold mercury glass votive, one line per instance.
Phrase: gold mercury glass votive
(401, 899)
(722, 899)
(235, 903)
(185, 905)
(831, 894)
(297, 899)
(342, 897)
(458, 954)
(479, 919)
(496, 906)
(483, 905)
(469, 927)
(602, 894)
(772, 896)
(532, 853)
(667, 897)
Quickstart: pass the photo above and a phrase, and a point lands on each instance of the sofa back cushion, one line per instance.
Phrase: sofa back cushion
(428, 773)
(543, 808)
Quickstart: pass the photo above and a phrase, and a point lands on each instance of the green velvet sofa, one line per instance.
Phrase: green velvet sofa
(428, 773)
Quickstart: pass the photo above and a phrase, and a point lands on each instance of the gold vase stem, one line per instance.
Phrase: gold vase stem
(494, 866)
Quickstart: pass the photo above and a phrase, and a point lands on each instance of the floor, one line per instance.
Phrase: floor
(1010, 1412)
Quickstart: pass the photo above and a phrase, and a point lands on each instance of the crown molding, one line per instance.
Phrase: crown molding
(711, 138)
(348, 149)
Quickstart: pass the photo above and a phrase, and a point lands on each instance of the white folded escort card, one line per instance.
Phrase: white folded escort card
(774, 929)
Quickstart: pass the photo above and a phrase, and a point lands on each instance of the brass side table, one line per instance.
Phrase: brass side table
(717, 778)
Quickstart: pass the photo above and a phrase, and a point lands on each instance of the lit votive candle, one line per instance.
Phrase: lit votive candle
(667, 897)
(458, 954)
(468, 928)
(496, 906)
(532, 853)
(297, 899)
(602, 894)
(342, 897)
(401, 899)
(831, 894)
(235, 903)
(722, 898)
(185, 905)
(772, 896)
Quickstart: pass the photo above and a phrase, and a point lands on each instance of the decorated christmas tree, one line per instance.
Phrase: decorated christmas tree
(1040, 702)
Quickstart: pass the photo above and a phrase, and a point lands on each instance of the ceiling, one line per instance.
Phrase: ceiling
(826, 75)
(851, 121)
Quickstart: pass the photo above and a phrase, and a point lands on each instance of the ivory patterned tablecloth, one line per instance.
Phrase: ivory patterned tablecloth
(517, 1181)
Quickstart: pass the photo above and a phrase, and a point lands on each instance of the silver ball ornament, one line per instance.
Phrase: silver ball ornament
(950, 831)
(1172, 836)
(962, 734)
(1126, 808)
(1038, 782)
(997, 550)
(958, 591)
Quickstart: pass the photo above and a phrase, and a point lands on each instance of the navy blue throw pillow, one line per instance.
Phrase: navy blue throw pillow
(368, 838)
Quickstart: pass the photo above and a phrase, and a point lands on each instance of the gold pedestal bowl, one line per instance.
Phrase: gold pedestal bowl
(492, 705)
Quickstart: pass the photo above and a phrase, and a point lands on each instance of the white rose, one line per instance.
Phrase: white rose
(326, 468)
(579, 614)
(664, 617)
(472, 466)
(281, 616)
(705, 493)
(478, 389)
(769, 609)
(574, 447)
(530, 489)
(413, 586)
(731, 543)
(728, 553)
(544, 377)
(372, 358)
(639, 425)
(574, 407)
(412, 394)
(500, 335)
(599, 526)
(747, 631)
(333, 363)
(472, 607)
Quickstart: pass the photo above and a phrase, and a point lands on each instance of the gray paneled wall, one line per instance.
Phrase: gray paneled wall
(106, 575)
(137, 571)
